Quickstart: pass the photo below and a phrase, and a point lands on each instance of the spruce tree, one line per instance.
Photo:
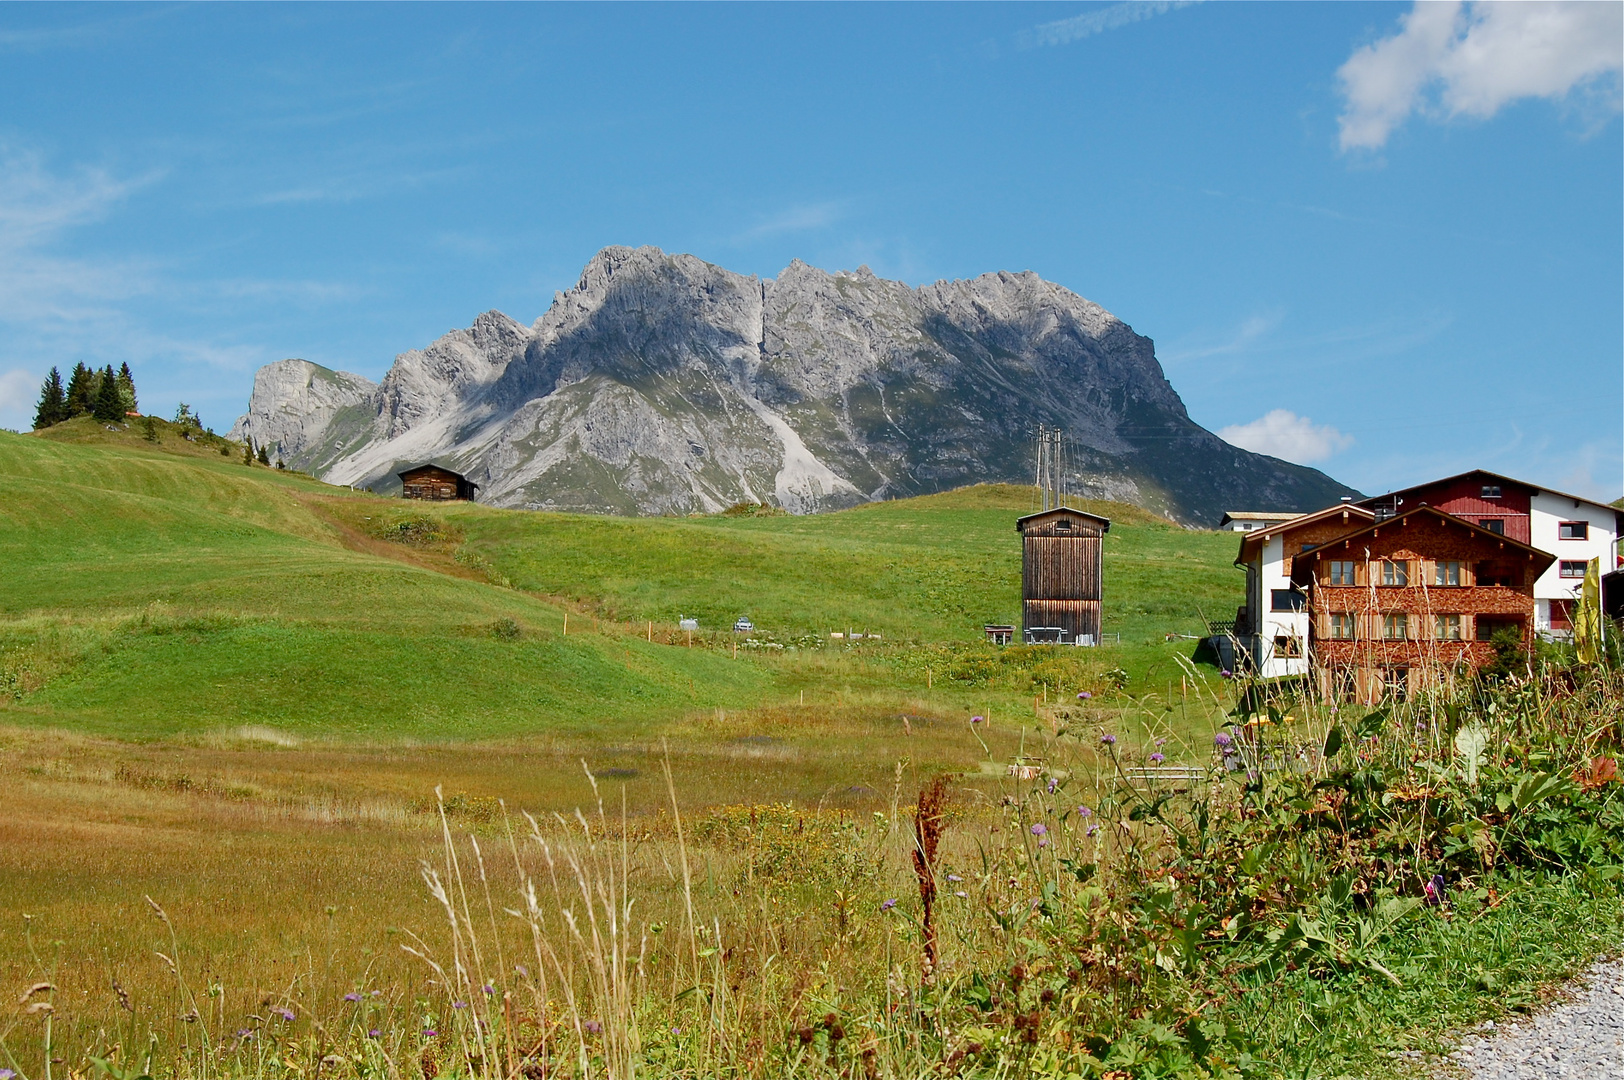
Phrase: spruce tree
(80, 387)
(126, 388)
(53, 403)
(264, 458)
(109, 406)
(248, 451)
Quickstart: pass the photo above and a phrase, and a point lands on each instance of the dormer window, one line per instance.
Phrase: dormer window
(1491, 491)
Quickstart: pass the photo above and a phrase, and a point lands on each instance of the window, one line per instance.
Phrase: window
(1491, 491)
(1494, 525)
(1286, 600)
(1395, 572)
(1287, 648)
(1395, 627)
(1062, 525)
(1446, 627)
(1572, 568)
(1446, 573)
(1341, 572)
(1396, 682)
(1342, 626)
(1573, 530)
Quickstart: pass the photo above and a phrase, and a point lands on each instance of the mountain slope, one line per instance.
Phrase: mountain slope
(662, 384)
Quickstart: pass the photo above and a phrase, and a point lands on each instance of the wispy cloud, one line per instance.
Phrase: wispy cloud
(1239, 339)
(1283, 434)
(1065, 31)
(802, 217)
(75, 35)
(1451, 59)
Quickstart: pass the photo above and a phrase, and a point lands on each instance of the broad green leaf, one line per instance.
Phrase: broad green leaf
(1470, 742)
(1333, 740)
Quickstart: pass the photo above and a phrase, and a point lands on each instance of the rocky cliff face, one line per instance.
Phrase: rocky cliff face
(661, 384)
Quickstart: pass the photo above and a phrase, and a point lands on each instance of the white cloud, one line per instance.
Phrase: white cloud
(1283, 434)
(1251, 330)
(801, 218)
(1450, 59)
(1065, 31)
(19, 393)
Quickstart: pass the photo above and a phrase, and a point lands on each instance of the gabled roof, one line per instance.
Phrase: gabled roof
(1259, 536)
(1503, 481)
(403, 473)
(1451, 520)
(1258, 515)
(1058, 511)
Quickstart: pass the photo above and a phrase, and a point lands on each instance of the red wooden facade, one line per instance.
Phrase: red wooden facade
(1407, 601)
(1483, 498)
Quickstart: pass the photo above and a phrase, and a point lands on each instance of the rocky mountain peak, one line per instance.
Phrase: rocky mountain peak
(661, 383)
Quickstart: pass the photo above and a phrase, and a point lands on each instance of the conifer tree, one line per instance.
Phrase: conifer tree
(264, 458)
(126, 388)
(109, 406)
(53, 403)
(80, 390)
(248, 451)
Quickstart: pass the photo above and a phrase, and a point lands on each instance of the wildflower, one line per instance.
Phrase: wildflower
(1039, 829)
(242, 1033)
(593, 1026)
(954, 877)
(286, 1014)
(488, 988)
(1222, 738)
(1092, 829)
(1158, 758)
(459, 1004)
(975, 719)
(430, 1033)
(1084, 696)
(961, 894)
(1161, 743)
(374, 1033)
(1053, 784)
(1435, 889)
(522, 970)
(6, 1074)
(1083, 811)
(352, 996)
(1108, 740)
(1043, 841)
(888, 905)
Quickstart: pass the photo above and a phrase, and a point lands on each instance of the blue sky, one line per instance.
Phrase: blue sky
(1382, 240)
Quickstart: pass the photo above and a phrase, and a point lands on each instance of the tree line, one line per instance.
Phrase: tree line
(106, 395)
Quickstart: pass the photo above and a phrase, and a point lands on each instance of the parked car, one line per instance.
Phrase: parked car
(743, 625)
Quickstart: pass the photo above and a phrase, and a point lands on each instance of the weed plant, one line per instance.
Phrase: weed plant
(1321, 890)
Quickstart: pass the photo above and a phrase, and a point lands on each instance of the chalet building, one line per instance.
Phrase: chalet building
(1570, 528)
(434, 482)
(1272, 629)
(1412, 599)
(1061, 576)
(1250, 520)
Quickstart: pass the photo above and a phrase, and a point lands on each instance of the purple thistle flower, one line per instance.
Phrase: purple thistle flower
(459, 1004)
(374, 1033)
(286, 1014)
(888, 905)
(1158, 758)
(1108, 740)
(1161, 742)
(1043, 841)
(1084, 696)
(1083, 811)
(488, 988)
(593, 1026)
(1092, 829)
(1039, 829)
(975, 719)
(1222, 738)
(1053, 784)
(430, 1033)
(1226, 673)
(352, 996)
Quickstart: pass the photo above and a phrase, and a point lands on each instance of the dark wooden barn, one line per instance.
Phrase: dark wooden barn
(433, 482)
(1060, 576)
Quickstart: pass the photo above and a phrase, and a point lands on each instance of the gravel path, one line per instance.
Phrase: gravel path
(1581, 1037)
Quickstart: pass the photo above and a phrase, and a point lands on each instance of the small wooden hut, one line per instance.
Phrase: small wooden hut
(1060, 576)
(434, 482)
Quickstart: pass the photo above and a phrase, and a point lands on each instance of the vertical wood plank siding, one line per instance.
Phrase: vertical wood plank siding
(1060, 574)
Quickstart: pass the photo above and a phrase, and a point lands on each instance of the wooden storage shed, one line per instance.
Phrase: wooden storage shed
(434, 482)
(1060, 576)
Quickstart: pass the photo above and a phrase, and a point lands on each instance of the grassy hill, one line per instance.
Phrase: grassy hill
(168, 589)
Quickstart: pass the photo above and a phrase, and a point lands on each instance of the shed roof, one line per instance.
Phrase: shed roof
(1021, 522)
